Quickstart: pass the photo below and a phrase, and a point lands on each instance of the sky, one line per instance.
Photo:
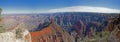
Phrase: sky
(31, 6)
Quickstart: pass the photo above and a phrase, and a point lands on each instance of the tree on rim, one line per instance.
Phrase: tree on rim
(1, 24)
(0, 13)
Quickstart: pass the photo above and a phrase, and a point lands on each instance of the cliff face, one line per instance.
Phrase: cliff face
(51, 33)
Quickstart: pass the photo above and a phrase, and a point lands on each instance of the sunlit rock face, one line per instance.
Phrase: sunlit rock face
(11, 36)
(7, 36)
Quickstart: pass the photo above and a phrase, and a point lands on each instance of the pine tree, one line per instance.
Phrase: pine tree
(0, 13)
(1, 24)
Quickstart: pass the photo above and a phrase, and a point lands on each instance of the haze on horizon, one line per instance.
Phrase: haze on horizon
(46, 6)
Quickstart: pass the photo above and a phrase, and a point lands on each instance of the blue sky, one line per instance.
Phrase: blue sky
(31, 5)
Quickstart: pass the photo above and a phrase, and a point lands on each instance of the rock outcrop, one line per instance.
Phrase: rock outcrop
(11, 36)
(51, 33)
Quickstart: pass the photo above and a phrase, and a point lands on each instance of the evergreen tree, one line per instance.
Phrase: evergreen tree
(1, 24)
(0, 13)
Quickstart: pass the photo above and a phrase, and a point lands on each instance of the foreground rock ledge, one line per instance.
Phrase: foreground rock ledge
(11, 37)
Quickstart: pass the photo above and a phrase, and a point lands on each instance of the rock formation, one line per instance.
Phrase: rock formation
(51, 33)
(14, 35)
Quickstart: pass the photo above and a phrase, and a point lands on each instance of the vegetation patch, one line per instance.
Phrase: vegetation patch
(2, 29)
(19, 33)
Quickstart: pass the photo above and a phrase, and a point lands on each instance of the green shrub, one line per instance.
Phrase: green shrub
(18, 33)
(2, 29)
